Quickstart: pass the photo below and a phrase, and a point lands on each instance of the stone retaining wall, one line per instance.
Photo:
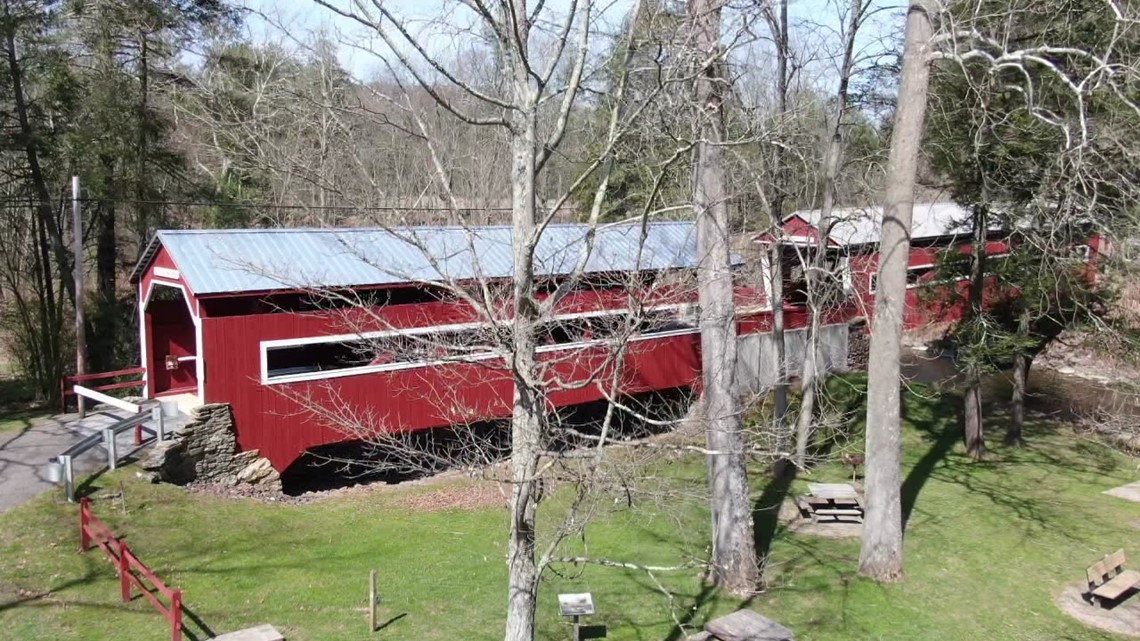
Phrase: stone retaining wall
(207, 450)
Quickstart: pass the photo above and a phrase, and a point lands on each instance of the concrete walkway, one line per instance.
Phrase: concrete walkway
(24, 454)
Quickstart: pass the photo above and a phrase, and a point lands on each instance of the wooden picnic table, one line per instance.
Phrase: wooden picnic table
(835, 501)
(833, 491)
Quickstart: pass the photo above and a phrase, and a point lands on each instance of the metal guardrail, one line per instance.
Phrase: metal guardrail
(61, 467)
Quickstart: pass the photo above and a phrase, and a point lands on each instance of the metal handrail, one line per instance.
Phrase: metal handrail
(60, 469)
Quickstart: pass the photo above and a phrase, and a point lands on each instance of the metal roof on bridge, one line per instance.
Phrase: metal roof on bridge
(256, 260)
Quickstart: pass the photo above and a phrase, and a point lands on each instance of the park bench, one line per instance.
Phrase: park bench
(1108, 580)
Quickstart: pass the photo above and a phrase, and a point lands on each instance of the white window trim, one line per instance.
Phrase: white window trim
(199, 343)
(916, 267)
(947, 281)
(845, 275)
(433, 329)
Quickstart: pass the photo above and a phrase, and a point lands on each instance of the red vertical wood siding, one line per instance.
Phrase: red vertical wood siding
(277, 418)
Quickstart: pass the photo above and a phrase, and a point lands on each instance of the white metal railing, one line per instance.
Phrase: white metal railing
(61, 468)
(100, 397)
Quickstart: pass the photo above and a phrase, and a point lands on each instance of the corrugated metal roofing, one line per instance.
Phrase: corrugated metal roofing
(252, 260)
(860, 225)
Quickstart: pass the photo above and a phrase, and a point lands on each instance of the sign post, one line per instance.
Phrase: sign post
(577, 606)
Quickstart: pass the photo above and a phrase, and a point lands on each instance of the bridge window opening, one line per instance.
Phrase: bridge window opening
(308, 359)
(919, 275)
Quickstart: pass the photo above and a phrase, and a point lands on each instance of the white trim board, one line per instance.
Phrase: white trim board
(432, 329)
(199, 363)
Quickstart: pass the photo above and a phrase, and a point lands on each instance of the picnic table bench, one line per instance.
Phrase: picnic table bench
(831, 501)
(1108, 580)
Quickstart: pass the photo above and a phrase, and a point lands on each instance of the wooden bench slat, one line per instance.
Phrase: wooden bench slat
(1118, 585)
(842, 505)
(1111, 563)
(832, 490)
(838, 512)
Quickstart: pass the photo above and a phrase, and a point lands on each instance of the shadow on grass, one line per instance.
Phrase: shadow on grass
(193, 627)
(694, 614)
(1009, 477)
(766, 509)
(390, 621)
(940, 422)
(29, 599)
(200, 631)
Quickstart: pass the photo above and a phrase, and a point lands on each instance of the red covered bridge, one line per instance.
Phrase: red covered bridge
(269, 320)
(937, 228)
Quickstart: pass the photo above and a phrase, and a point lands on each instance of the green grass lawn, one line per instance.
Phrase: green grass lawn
(17, 420)
(988, 546)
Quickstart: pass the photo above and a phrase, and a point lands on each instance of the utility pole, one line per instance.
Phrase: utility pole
(80, 323)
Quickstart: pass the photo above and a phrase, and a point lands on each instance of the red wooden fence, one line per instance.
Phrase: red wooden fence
(67, 381)
(131, 569)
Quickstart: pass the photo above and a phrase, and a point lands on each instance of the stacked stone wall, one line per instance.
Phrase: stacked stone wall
(207, 450)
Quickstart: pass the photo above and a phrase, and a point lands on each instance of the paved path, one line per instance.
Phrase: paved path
(24, 454)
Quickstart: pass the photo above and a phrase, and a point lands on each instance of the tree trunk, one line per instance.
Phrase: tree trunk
(106, 267)
(808, 383)
(1021, 364)
(972, 406)
(882, 554)
(974, 427)
(780, 389)
(777, 25)
(733, 548)
(811, 377)
(776, 215)
(528, 404)
(142, 151)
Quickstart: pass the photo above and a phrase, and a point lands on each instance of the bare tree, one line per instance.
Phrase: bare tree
(542, 59)
(882, 554)
(781, 34)
(733, 549)
(817, 273)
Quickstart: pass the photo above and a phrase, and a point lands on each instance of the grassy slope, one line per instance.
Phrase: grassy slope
(988, 546)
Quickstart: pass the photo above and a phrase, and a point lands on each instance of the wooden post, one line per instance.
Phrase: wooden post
(176, 616)
(124, 571)
(372, 600)
(577, 628)
(80, 322)
(84, 537)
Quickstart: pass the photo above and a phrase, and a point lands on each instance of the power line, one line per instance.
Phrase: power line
(191, 203)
